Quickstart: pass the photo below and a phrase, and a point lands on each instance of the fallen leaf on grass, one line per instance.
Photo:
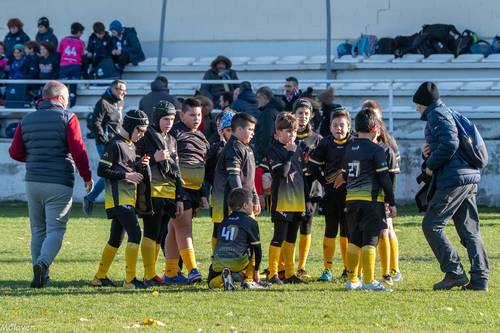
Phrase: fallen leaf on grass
(153, 322)
(233, 330)
(230, 314)
(84, 319)
(448, 308)
(155, 293)
(132, 326)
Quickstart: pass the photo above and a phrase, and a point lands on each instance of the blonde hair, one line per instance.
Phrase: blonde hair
(55, 89)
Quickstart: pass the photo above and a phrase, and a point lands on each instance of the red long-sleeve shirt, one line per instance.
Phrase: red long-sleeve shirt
(74, 140)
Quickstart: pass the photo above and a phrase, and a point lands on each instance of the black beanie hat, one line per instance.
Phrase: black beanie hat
(426, 94)
(43, 21)
(134, 118)
(162, 109)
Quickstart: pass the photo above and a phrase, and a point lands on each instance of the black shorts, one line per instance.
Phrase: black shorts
(191, 198)
(162, 207)
(365, 216)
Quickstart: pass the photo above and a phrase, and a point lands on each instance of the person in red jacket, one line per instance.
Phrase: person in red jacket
(49, 142)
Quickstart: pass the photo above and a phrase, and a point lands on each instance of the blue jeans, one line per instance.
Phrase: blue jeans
(99, 186)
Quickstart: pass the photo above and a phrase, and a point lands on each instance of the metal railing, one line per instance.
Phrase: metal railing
(261, 82)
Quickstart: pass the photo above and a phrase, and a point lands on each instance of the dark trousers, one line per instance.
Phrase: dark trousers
(459, 204)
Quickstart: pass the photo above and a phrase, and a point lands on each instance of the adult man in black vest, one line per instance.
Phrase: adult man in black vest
(50, 142)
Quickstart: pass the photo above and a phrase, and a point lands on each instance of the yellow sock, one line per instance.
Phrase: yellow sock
(108, 254)
(368, 254)
(249, 270)
(171, 267)
(328, 252)
(353, 254)
(214, 244)
(274, 256)
(157, 252)
(188, 258)
(281, 262)
(289, 256)
(148, 252)
(131, 254)
(343, 250)
(384, 254)
(304, 246)
(216, 282)
(394, 254)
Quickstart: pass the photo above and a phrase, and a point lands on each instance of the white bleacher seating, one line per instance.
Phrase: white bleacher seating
(480, 85)
(266, 60)
(450, 85)
(239, 61)
(468, 58)
(180, 61)
(379, 58)
(349, 59)
(439, 58)
(291, 60)
(205, 61)
(317, 60)
(409, 58)
(385, 86)
(358, 86)
(492, 58)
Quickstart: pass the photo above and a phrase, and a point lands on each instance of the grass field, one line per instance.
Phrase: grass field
(70, 305)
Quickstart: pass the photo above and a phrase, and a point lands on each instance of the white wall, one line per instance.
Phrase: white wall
(239, 21)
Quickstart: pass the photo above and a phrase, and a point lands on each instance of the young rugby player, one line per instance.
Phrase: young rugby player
(290, 196)
(367, 175)
(192, 148)
(325, 165)
(119, 168)
(166, 189)
(238, 242)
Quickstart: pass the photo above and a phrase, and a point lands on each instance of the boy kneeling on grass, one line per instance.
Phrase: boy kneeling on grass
(238, 241)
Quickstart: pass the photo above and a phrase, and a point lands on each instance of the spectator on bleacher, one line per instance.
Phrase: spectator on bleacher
(49, 141)
(225, 100)
(72, 50)
(327, 107)
(99, 49)
(292, 92)
(207, 126)
(105, 124)
(246, 101)
(4, 63)
(46, 33)
(126, 45)
(18, 67)
(15, 36)
(269, 107)
(159, 92)
(455, 187)
(220, 69)
(316, 112)
(48, 62)
(31, 50)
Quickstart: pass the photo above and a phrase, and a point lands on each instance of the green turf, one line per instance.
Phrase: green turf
(71, 305)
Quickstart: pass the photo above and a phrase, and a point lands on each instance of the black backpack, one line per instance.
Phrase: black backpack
(442, 37)
(404, 45)
(386, 46)
(465, 41)
(472, 147)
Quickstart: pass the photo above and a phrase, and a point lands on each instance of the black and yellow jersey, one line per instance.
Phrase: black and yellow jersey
(238, 233)
(288, 188)
(308, 140)
(367, 172)
(118, 159)
(192, 148)
(165, 174)
(325, 162)
(236, 161)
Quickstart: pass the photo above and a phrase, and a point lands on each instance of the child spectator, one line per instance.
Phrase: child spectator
(31, 50)
(48, 62)
(126, 46)
(46, 33)
(99, 47)
(17, 67)
(15, 36)
(4, 63)
(72, 49)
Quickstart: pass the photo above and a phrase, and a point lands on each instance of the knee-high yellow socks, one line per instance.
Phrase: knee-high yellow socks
(148, 252)
(171, 267)
(274, 256)
(281, 262)
(188, 258)
(368, 254)
(214, 244)
(328, 252)
(289, 256)
(108, 254)
(353, 255)
(131, 254)
(343, 250)
(394, 254)
(216, 282)
(384, 253)
(304, 246)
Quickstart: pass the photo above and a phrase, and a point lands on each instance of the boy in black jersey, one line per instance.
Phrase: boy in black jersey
(235, 168)
(367, 174)
(307, 139)
(290, 196)
(192, 148)
(325, 165)
(119, 167)
(239, 241)
(166, 190)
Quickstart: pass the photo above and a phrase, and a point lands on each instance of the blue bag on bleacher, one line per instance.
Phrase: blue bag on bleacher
(481, 47)
(366, 45)
(344, 49)
(495, 45)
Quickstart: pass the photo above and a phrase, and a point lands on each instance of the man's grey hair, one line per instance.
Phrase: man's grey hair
(115, 83)
(54, 89)
(265, 91)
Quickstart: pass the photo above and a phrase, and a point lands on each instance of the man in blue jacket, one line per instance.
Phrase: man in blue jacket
(454, 196)
(126, 46)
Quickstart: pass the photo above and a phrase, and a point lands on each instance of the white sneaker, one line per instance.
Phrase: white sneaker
(376, 286)
(353, 285)
(228, 280)
(251, 285)
(396, 276)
